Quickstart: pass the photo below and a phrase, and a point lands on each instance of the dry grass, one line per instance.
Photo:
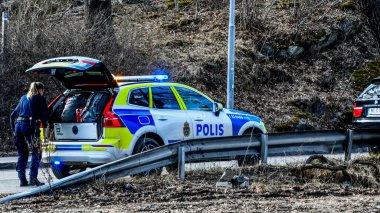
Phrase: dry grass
(267, 183)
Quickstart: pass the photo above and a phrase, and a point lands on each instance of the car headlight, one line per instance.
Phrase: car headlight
(262, 124)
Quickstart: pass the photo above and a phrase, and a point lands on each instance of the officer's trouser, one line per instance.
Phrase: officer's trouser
(24, 136)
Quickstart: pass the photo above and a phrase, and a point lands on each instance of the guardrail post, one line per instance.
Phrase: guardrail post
(347, 152)
(264, 148)
(181, 162)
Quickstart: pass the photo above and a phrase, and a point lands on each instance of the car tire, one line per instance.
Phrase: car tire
(61, 171)
(144, 144)
(250, 160)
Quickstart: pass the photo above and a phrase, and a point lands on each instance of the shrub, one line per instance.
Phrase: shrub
(364, 75)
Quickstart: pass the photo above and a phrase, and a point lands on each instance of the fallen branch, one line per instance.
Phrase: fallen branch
(352, 176)
(324, 166)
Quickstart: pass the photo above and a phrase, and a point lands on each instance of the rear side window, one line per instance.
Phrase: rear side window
(371, 92)
(193, 100)
(139, 97)
(163, 98)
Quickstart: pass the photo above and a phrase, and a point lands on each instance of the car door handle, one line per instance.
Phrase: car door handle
(162, 118)
(198, 119)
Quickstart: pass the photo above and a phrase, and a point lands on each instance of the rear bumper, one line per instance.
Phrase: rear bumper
(84, 153)
(78, 157)
(366, 123)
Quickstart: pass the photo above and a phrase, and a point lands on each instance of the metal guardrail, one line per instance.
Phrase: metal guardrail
(224, 148)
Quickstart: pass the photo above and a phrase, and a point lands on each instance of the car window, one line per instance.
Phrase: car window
(371, 92)
(163, 98)
(139, 97)
(193, 100)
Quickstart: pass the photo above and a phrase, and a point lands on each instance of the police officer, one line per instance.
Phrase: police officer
(31, 110)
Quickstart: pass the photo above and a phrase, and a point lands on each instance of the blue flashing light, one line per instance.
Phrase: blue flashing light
(159, 78)
(162, 77)
(57, 162)
(161, 74)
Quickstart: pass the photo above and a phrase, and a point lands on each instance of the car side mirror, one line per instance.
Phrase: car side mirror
(217, 107)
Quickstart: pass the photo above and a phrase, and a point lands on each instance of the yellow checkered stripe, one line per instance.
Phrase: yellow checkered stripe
(52, 147)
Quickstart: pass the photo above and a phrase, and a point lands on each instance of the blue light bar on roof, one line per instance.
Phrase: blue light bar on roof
(142, 78)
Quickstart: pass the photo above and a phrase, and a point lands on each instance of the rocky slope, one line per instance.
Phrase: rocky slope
(299, 64)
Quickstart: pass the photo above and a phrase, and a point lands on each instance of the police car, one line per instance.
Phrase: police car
(125, 115)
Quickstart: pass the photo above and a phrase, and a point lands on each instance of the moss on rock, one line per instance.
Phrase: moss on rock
(340, 19)
(153, 15)
(348, 5)
(287, 125)
(364, 75)
(289, 3)
(320, 34)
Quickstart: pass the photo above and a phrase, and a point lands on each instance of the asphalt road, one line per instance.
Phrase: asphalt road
(9, 183)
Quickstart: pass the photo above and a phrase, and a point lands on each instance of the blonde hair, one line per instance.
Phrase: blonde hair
(33, 89)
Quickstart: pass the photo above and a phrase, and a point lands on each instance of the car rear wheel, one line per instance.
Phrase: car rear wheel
(61, 171)
(146, 144)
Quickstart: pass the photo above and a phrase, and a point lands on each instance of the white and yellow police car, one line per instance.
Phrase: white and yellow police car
(101, 118)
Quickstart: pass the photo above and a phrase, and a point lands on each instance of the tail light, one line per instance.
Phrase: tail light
(357, 111)
(110, 118)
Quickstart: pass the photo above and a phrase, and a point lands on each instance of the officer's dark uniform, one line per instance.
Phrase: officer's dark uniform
(26, 129)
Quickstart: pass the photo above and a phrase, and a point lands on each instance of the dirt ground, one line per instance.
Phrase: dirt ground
(351, 203)
(271, 188)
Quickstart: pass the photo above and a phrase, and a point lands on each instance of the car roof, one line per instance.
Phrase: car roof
(152, 84)
(376, 80)
(143, 84)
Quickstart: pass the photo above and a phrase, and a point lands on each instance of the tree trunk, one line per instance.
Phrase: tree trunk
(196, 9)
(371, 8)
(176, 5)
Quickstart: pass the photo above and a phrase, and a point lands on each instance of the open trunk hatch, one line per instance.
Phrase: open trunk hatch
(76, 72)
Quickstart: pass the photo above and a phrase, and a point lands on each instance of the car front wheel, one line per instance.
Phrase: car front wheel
(250, 160)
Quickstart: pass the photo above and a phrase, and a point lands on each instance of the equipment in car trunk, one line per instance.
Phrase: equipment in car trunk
(94, 107)
(79, 114)
(72, 103)
(75, 131)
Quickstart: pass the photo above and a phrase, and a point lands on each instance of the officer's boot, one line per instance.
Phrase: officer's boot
(35, 182)
(23, 181)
